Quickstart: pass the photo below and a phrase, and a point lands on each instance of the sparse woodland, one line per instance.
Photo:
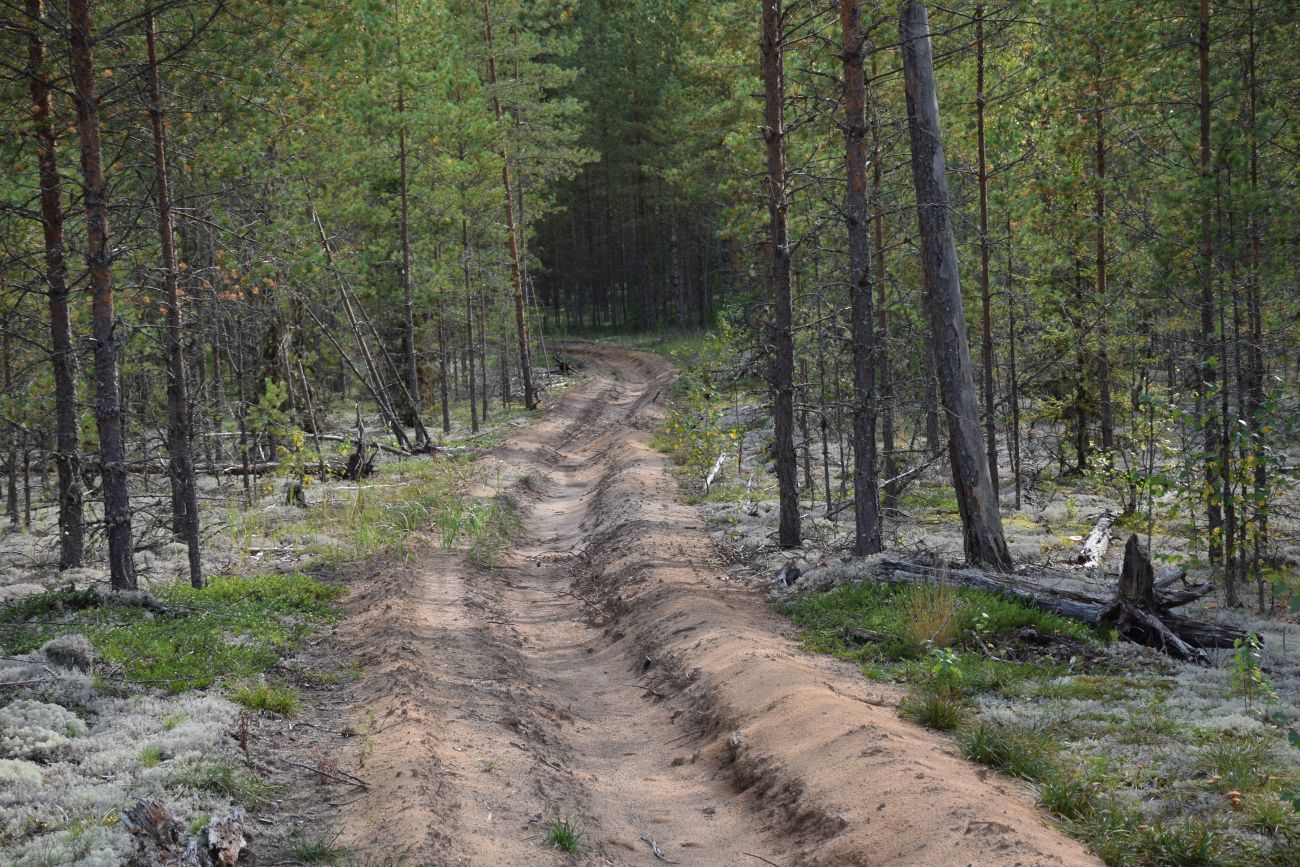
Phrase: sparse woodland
(956, 290)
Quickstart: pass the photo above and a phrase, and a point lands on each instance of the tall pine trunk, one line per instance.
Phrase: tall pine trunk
(469, 325)
(857, 217)
(778, 277)
(99, 263)
(981, 524)
(185, 503)
(1207, 374)
(408, 301)
(516, 270)
(986, 319)
(63, 358)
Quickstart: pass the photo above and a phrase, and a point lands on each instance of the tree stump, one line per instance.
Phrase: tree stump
(1137, 614)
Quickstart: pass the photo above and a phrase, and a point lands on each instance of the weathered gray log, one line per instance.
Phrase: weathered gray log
(1098, 541)
(1140, 609)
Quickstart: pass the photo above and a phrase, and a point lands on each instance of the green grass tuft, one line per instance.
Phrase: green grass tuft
(1017, 751)
(565, 835)
(315, 852)
(263, 696)
(934, 709)
(1238, 764)
(224, 778)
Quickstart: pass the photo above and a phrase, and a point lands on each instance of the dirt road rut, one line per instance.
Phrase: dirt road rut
(606, 674)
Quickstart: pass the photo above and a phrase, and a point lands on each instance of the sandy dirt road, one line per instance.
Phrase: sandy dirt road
(605, 672)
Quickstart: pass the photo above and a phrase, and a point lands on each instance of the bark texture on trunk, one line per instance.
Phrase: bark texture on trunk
(778, 277)
(63, 358)
(185, 504)
(99, 264)
(857, 216)
(981, 524)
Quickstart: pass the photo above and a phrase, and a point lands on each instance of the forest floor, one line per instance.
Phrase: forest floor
(603, 694)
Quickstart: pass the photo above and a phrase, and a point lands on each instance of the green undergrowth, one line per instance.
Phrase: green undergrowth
(899, 611)
(406, 499)
(236, 627)
(1123, 755)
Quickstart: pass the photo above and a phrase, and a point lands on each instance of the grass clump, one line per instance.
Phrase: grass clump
(1237, 764)
(315, 852)
(934, 709)
(1017, 751)
(151, 756)
(565, 835)
(225, 778)
(1070, 796)
(930, 613)
(235, 627)
(265, 697)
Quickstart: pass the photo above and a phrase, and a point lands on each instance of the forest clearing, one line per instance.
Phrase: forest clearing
(568, 432)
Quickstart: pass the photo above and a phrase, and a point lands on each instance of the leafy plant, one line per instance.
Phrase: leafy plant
(1246, 678)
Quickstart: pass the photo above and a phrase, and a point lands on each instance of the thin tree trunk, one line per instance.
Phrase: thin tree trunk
(185, 503)
(374, 383)
(482, 358)
(408, 302)
(981, 524)
(1207, 374)
(312, 420)
(888, 464)
(1254, 315)
(857, 217)
(469, 324)
(986, 330)
(63, 358)
(11, 433)
(1013, 373)
(442, 371)
(99, 263)
(778, 278)
(516, 273)
(1107, 418)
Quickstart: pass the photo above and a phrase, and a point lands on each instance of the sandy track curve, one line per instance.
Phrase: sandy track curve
(606, 672)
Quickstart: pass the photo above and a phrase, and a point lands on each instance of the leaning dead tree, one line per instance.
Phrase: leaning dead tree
(977, 499)
(1141, 609)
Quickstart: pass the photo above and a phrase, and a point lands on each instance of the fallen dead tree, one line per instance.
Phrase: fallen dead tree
(1141, 609)
(1098, 541)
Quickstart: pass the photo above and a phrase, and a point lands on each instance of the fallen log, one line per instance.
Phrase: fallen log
(1140, 610)
(713, 473)
(1098, 541)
